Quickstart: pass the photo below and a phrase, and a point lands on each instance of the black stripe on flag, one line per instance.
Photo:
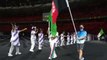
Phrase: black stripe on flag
(60, 5)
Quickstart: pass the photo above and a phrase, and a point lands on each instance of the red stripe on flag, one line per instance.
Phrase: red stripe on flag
(54, 13)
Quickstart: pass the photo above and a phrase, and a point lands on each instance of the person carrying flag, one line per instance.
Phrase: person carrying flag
(57, 6)
(53, 40)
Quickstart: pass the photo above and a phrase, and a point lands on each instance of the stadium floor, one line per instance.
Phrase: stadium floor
(93, 50)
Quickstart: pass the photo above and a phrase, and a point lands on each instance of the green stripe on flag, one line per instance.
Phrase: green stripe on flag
(53, 26)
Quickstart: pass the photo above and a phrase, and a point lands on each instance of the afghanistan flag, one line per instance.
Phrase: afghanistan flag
(53, 26)
(57, 6)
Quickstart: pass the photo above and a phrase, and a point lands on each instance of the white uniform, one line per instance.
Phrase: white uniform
(14, 42)
(33, 39)
(62, 39)
(40, 40)
(68, 39)
(72, 39)
(52, 46)
(15, 38)
(57, 42)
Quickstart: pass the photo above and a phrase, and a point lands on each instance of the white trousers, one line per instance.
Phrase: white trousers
(62, 42)
(72, 41)
(52, 46)
(40, 44)
(12, 48)
(57, 43)
(32, 44)
(68, 42)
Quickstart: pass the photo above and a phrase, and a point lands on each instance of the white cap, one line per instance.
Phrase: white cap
(33, 27)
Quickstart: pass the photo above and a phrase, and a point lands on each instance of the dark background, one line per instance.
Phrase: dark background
(25, 13)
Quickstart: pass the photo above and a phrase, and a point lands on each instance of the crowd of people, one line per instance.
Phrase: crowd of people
(57, 41)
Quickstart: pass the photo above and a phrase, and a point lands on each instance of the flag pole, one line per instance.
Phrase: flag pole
(71, 18)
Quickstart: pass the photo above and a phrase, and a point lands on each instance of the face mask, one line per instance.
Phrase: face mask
(81, 29)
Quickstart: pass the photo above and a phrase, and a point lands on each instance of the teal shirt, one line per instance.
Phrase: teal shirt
(81, 34)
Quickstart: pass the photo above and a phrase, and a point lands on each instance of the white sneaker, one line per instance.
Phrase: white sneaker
(55, 57)
(68, 44)
(52, 57)
(82, 58)
(18, 53)
(40, 48)
(10, 55)
(49, 58)
(31, 50)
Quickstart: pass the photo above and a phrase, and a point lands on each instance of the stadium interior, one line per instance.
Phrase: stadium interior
(27, 13)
